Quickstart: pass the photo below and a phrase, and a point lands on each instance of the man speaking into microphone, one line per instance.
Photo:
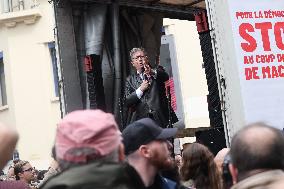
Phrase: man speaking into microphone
(145, 93)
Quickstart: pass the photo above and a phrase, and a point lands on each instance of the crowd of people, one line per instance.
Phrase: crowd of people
(91, 152)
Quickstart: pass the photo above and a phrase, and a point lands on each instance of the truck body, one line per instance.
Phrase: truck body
(248, 38)
(242, 61)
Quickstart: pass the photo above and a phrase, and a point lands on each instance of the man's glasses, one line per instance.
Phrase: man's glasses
(29, 170)
(140, 57)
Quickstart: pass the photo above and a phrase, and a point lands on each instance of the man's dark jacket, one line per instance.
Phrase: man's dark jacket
(153, 103)
(97, 175)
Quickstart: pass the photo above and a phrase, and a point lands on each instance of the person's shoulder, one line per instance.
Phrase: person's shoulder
(131, 77)
(168, 183)
(160, 68)
(183, 187)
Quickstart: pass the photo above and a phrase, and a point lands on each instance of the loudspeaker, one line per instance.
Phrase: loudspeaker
(213, 138)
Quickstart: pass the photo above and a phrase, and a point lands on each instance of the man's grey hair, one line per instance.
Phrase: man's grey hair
(136, 49)
(111, 157)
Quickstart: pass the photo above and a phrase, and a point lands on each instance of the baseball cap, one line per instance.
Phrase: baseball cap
(143, 132)
(93, 129)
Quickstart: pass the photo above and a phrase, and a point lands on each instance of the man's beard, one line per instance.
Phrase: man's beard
(161, 161)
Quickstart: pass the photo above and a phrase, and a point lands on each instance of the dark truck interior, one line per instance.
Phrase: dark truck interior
(94, 38)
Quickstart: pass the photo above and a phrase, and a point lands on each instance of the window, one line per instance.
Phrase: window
(52, 51)
(17, 5)
(3, 96)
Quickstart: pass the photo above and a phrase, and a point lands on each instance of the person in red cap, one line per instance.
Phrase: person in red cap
(147, 150)
(89, 150)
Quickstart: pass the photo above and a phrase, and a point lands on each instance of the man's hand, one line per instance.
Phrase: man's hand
(147, 69)
(146, 66)
(144, 86)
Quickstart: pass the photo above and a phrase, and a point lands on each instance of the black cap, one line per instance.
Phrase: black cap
(143, 132)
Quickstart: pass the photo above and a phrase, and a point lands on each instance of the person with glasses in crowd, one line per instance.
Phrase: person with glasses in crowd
(145, 93)
(24, 172)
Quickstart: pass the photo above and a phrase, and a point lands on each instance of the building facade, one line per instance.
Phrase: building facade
(29, 92)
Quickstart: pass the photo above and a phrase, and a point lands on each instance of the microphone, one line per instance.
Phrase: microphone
(142, 70)
(145, 77)
(143, 74)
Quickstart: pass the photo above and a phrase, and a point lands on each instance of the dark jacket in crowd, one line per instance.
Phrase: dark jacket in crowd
(153, 103)
(96, 175)
(162, 183)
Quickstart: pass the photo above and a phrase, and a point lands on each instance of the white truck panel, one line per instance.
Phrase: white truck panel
(221, 33)
(249, 53)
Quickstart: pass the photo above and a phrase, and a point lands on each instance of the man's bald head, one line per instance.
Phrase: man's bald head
(258, 146)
